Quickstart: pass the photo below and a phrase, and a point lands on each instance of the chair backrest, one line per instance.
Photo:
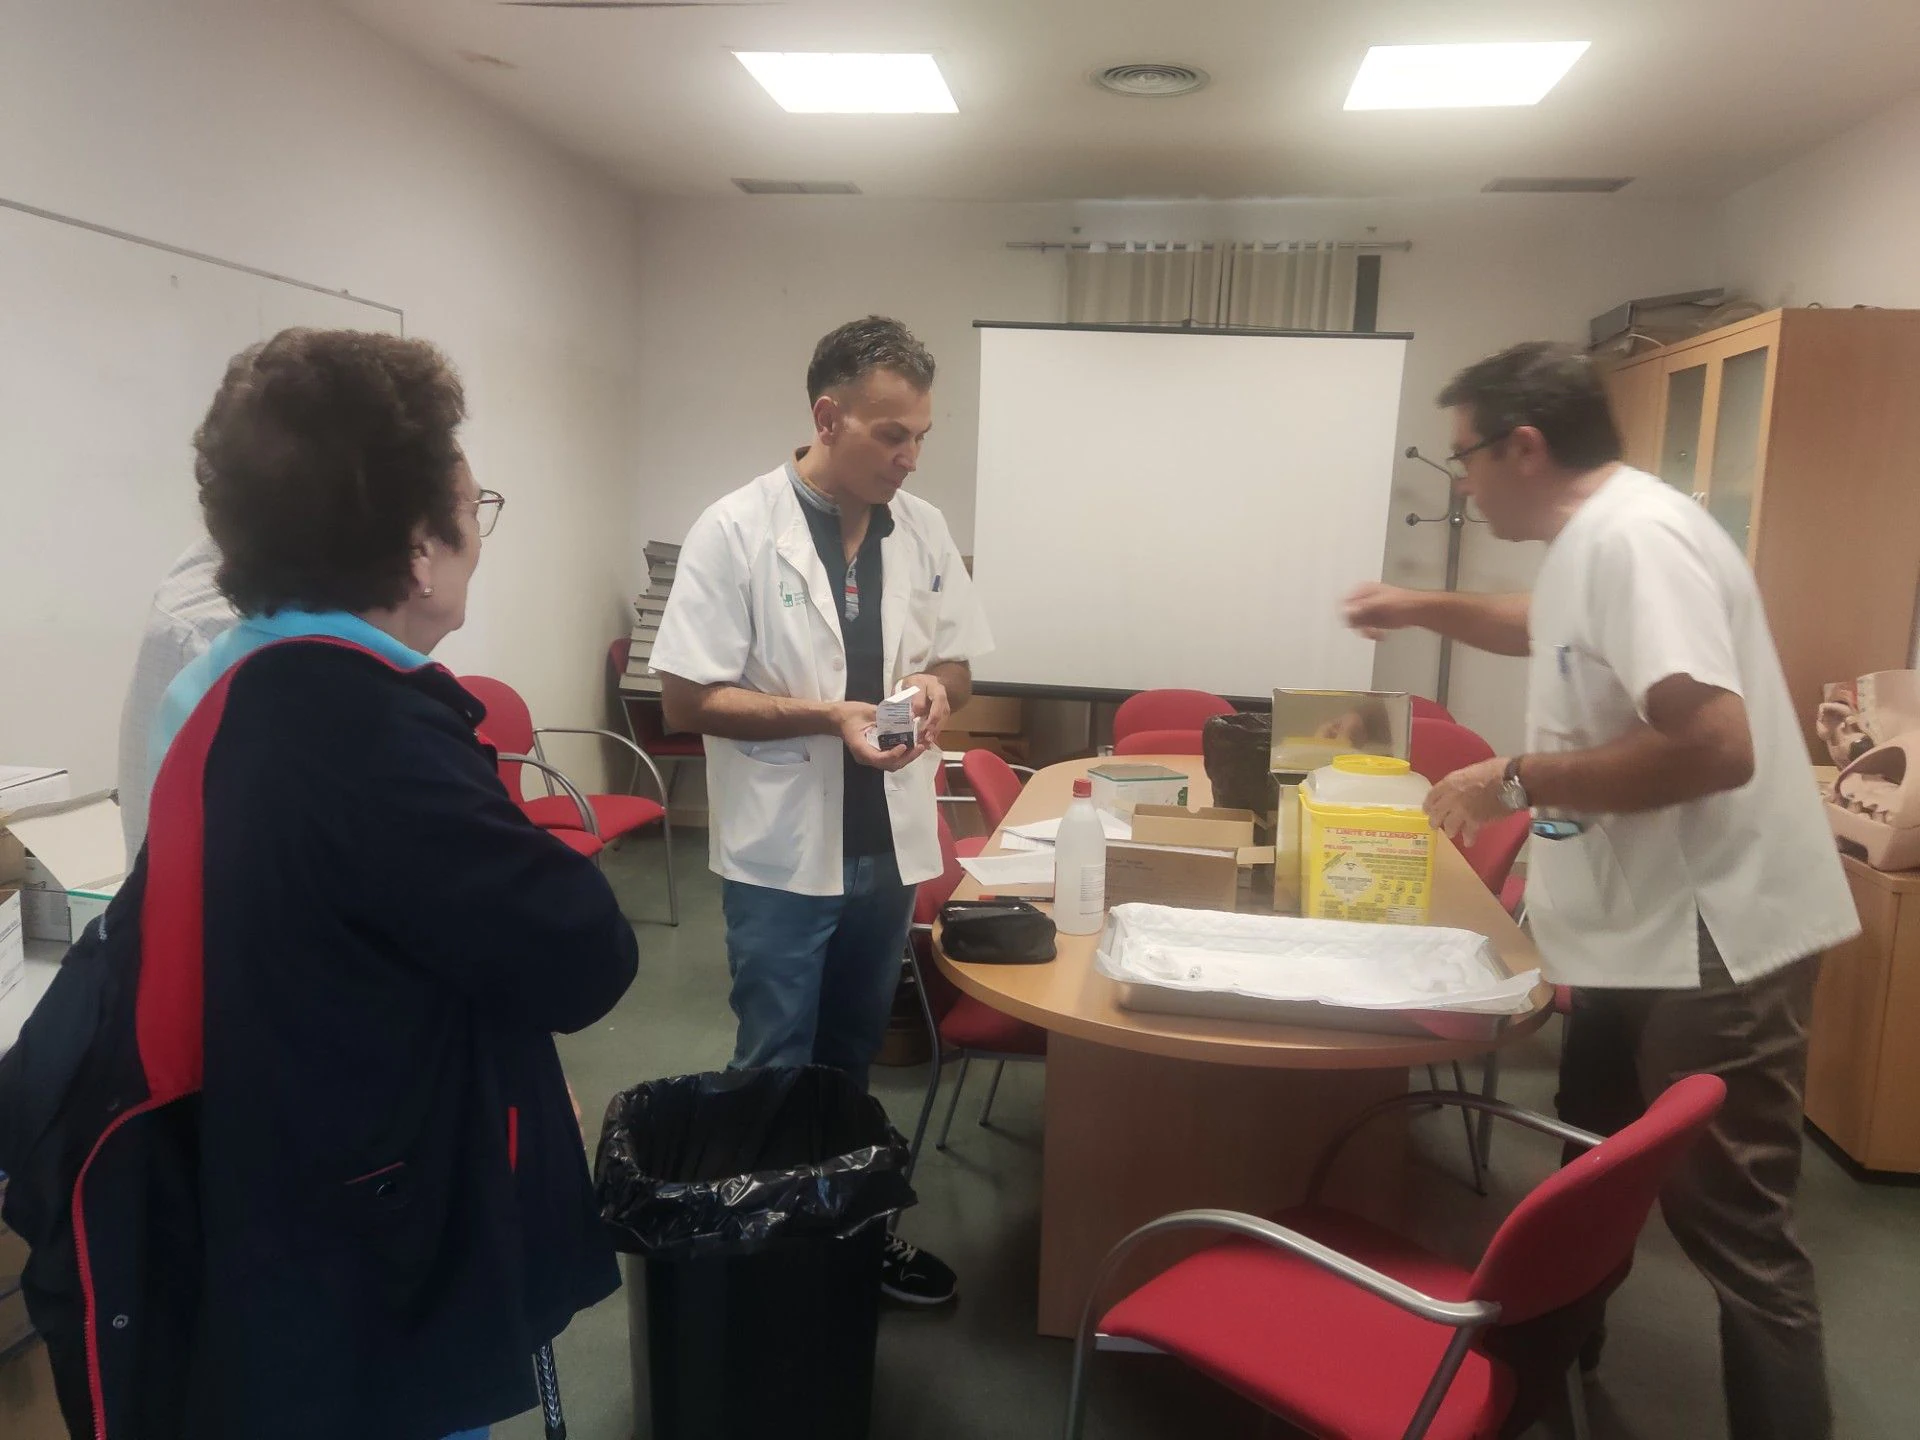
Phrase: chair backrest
(509, 724)
(1440, 747)
(994, 784)
(1160, 742)
(1578, 1228)
(1425, 709)
(618, 653)
(1497, 847)
(1165, 710)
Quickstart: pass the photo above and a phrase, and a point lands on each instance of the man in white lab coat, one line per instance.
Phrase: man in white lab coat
(802, 599)
(1685, 881)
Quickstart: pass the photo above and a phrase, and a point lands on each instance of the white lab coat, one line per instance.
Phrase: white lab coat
(752, 605)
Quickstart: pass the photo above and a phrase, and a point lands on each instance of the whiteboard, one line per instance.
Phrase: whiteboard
(110, 352)
(1181, 508)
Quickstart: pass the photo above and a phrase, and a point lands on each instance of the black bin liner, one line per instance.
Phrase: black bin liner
(757, 1202)
(1237, 751)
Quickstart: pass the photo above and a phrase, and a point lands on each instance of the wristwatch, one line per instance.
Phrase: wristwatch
(1513, 794)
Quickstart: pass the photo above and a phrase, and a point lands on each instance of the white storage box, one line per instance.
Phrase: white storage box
(1391, 979)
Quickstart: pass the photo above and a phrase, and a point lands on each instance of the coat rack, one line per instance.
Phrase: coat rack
(1456, 520)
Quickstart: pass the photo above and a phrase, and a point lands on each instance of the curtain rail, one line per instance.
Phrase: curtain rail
(1121, 245)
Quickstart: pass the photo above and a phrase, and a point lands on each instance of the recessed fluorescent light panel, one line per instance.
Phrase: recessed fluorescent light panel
(1455, 77)
(823, 84)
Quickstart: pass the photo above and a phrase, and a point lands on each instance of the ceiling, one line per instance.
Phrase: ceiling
(1688, 96)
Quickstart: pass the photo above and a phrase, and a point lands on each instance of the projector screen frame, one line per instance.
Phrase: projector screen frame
(1100, 694)
(1183, 328)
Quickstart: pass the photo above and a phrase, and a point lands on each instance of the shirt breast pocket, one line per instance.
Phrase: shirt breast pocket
(1582, 702)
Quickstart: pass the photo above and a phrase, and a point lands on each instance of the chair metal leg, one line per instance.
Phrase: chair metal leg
(933, 1066)
(959, 1081)
(1490, 1089)
(673, 890)
(986, 1110)
(1473, 1140)
(1077, 1383)
(1577, 1402)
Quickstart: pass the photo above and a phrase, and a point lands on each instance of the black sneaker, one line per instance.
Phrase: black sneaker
(911, 1275)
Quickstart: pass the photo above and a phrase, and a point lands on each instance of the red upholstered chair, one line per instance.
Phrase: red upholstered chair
(1496, 850)
(1165, 710)
(996, 784)
(645, 726)
(587, 842)
(1345, 1329)
(956, 1021)
(1425, 709)
(1159, 742)
(1440, 747)
(510, 728)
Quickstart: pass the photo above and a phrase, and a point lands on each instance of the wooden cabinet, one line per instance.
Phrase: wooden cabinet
(1863, 1068)
(1799, 432)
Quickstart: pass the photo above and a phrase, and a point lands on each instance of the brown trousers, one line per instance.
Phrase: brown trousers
(1731, 1204)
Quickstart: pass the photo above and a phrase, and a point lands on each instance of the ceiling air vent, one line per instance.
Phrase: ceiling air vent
(1556, 184)
(798, 187)
(1153, 81)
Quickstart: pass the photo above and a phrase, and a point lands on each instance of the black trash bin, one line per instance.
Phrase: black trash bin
(756, 1203)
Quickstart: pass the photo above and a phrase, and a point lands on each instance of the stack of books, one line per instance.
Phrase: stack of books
(648, 606)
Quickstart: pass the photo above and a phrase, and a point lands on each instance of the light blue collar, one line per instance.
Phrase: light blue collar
(190, 686)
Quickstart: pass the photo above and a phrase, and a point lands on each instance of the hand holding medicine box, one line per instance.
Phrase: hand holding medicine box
(894, 723)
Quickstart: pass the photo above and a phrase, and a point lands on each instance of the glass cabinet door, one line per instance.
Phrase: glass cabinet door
(1736, 442)
(1680, 441)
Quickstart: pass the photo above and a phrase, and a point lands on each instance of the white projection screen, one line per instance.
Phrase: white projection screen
(1180, 508)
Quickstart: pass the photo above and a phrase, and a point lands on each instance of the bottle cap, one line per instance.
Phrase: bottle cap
(1083, 789)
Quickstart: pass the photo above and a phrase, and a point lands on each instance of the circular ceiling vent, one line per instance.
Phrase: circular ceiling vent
(1153, 81)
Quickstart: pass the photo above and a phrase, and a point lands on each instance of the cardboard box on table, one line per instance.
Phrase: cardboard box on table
(75, 858)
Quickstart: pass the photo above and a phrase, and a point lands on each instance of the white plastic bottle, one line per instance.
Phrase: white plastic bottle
(1080, 866)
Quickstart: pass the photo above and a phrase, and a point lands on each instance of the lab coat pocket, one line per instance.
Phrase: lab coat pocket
(775, 808)
(1581, 881)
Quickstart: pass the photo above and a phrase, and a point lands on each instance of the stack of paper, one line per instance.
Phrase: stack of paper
(1040, 834)
(1025, 872)
(663, 560)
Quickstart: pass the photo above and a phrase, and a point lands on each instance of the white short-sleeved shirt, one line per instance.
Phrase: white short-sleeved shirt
(1643, 584)
(752, 605)
(188, 613)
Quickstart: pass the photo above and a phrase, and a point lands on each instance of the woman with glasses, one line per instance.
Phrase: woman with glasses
(334, 1181)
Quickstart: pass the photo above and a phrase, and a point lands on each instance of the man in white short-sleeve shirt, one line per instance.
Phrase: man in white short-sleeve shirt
(1693, 882)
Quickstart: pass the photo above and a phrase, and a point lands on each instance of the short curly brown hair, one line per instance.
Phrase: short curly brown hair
(320, 456)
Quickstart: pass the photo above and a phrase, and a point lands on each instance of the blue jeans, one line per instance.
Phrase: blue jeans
(814, 975)
(480, 1434)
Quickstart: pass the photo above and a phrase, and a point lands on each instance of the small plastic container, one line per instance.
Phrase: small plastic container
(1366, 845)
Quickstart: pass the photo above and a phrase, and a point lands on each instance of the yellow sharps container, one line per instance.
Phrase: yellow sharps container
(1366, 846)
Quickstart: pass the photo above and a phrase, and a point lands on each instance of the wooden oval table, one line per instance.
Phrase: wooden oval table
(1148, 1113)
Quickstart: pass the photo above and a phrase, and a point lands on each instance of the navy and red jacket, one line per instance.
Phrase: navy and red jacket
(289, 1136)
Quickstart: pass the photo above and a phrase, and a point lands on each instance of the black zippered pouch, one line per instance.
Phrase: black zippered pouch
(995, 932)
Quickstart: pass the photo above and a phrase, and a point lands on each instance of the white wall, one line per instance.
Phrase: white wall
(735, 292)
(285, 136)
(1835, 227)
